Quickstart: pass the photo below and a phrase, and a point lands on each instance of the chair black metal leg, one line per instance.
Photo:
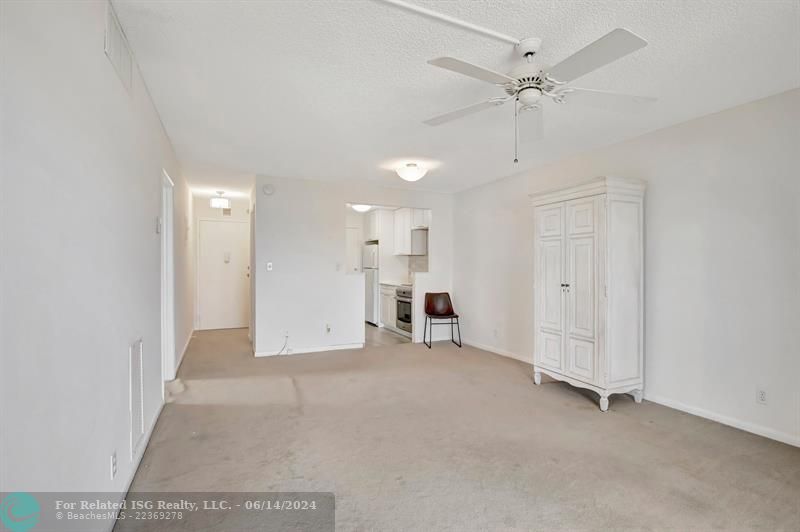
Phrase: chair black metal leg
(452, 337)
(458, 324)
(425, 332)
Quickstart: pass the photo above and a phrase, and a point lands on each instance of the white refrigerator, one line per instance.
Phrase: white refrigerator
(371, 290)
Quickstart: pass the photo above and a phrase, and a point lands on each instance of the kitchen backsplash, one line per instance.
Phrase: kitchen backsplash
(418, 263)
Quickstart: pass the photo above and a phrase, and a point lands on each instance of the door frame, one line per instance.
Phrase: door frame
(197, 268)
(167, 229)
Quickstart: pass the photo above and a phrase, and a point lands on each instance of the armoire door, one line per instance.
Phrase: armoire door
(550, 306)
(581, 292)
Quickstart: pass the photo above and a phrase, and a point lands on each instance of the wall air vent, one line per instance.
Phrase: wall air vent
(226, 212)
(136, 395)
(116, 48)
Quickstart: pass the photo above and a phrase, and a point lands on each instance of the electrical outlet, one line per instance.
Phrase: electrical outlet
(761, 397)
(269, 266)
(113, 465)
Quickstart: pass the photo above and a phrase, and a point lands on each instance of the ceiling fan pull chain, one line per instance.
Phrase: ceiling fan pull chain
(516, 130)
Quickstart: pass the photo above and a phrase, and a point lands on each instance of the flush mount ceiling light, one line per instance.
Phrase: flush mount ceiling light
(411, 172)
(358, 207)
(220, 202)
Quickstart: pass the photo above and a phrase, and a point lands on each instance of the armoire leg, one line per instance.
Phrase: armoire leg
(637, 396)
(603, 403)
(537, 377)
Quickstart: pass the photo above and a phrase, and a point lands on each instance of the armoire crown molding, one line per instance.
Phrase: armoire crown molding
(599, 185)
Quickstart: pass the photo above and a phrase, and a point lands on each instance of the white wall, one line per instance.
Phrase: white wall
(300, 229)
(354, 219)
(722, 261)
(81, 180)
(185, 268)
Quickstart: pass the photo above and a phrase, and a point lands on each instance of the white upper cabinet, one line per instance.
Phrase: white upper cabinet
(588, 242)
(379, 225)
(410, 231)
(372, 225)
(420, 218)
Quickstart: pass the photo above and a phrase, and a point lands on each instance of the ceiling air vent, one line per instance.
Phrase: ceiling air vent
(117, 50)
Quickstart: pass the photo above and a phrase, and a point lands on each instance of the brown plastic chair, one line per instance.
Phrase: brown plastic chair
(438, 306)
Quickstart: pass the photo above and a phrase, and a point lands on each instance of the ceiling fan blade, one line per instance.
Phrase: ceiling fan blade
(605, 100)
(603, 51)
(464, 111)
(473, 71)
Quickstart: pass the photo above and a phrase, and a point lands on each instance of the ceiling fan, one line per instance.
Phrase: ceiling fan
(530, 83)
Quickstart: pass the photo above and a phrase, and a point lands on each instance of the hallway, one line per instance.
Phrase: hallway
(409, 439)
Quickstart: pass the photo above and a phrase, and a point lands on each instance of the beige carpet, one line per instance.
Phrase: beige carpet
(447, 439)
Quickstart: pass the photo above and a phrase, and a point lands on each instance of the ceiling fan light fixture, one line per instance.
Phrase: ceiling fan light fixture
(359, 207)
(411, 172)
(530, 96)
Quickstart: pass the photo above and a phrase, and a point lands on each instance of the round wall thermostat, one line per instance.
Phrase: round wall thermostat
(268, 190)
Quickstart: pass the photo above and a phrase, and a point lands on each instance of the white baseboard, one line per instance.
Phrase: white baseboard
(299, 350)
(498, 351)
(725, 420)
(137, 459)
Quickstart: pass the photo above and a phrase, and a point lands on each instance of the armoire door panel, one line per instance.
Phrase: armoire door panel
(550, 349)
(551, 266)
(580, 216)
(550, 221)
(581, 359)
(582, 290)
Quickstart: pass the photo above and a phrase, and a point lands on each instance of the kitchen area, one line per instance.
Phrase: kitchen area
(389, 245)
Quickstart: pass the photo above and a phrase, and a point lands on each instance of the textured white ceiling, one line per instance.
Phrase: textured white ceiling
(334, 90)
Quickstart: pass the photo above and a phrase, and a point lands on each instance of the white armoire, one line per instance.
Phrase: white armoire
(588, 248)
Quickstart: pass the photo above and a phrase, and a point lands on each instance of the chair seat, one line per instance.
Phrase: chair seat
(442, 316)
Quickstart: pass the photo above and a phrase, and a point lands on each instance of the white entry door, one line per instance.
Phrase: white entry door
(223, 276)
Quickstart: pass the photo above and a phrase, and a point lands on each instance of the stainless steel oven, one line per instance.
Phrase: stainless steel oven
(404, 308)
